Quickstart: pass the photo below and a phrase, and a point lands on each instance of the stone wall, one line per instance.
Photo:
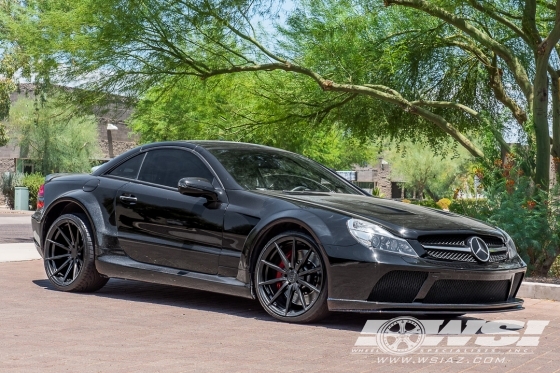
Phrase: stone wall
(380, 174)
(119, 147)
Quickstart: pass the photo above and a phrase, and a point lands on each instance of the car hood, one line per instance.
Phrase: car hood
(405, 219)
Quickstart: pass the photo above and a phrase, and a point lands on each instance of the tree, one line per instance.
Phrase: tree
(189, 110)
(426, 172)
(429, 66)
(53, 135)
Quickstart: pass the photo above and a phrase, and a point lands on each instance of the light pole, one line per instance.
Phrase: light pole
(111, 127)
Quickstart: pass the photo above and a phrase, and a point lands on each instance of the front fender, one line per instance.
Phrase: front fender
(309, 221)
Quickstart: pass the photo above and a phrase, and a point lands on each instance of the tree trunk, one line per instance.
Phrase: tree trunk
(541, 269)
(556, 122)
(432, 195)
(540, 121)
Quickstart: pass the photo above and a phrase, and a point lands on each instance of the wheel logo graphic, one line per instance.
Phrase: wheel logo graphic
(401, 335)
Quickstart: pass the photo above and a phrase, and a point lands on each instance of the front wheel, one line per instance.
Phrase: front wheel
(69, 255)
(291, 279)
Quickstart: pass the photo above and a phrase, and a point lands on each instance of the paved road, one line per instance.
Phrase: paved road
(136, 327)
(15, 229)
(130, 326)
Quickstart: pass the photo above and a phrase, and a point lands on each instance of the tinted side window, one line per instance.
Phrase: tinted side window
(130, 168)
(168, 166)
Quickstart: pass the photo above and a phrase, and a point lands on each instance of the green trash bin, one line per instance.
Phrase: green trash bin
(21, 198)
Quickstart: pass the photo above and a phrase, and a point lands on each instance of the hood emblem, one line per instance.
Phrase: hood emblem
(479, 249)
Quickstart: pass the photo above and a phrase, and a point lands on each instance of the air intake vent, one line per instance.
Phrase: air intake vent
(468, 292)
(398, 287)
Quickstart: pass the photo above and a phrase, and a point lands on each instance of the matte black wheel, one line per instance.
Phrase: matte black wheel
(69, 255)
(291, 280)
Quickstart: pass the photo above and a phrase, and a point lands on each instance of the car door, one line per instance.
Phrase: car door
(158, 225)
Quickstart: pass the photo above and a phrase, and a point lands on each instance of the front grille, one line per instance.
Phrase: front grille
(458, 240)
(461, 256)
(398, 287)
(468, 292)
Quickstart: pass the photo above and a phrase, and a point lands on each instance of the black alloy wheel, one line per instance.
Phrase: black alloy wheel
(69, 255)
(291, 279)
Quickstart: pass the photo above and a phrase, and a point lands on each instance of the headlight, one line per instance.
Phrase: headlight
(375, 237)
(512, 251)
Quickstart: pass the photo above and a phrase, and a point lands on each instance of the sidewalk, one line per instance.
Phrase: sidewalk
(17, 252)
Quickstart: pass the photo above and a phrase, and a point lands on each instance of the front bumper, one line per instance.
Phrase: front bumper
(346, 305)
(394, 284)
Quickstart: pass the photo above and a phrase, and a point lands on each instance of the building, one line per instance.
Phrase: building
(115, 112)
(378, 176)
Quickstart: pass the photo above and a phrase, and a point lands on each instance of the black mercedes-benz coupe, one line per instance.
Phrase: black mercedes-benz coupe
(255, 221)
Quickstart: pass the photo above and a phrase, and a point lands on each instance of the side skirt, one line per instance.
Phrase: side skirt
(123, 267)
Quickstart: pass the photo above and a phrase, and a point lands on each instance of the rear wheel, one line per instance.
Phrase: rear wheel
(70, 256)
(291, 279)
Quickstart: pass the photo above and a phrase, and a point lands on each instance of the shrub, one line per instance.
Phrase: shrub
(444, 203)
(470, 207)
(426, 203)
(33, 182)
(528, 214)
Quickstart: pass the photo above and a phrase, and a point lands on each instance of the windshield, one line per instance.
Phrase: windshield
(267, 170)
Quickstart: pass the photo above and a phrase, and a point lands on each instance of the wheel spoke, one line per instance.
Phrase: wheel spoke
(283, 256)
(75, 270)
(61, 267)
(273, 281)
(301, 298)
(293, 258)
(65, 238)
(275, 267)
(289, 299)
(307, 284)
(67, 272)
(309, 271)
(57, 257)
(278, 293)
(74, 243)
(59, 245)
(305, 259)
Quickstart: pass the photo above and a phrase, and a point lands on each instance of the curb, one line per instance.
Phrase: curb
(539, 290)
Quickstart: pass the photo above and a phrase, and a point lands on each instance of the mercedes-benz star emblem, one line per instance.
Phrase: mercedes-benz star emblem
(479, 249)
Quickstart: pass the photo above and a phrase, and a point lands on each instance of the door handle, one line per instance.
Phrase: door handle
(128, 198)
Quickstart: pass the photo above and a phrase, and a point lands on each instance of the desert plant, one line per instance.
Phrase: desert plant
(33, 182)
(9, 181)
(527, 213)
(377, 192)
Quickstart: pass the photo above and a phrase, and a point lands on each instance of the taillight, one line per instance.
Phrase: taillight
(40, 197)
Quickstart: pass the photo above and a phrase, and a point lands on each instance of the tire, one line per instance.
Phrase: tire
(69, 255)
(299, 294)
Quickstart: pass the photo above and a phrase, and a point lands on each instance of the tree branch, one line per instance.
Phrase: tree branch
(453, 105)
(517, 69)
(382, 94)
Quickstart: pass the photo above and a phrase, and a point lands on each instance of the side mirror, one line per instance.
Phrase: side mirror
(197, 187)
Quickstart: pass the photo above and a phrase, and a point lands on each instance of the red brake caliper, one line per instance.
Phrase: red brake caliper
(281, 265)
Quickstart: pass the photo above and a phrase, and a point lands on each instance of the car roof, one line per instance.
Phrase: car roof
(213, 145)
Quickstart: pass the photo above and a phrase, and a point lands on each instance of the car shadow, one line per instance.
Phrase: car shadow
(143, 292)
